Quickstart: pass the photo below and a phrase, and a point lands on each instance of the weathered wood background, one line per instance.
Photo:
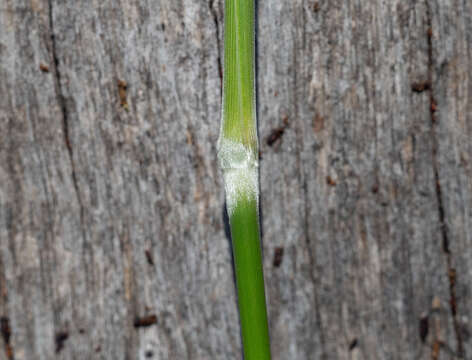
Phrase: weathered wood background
(112, 241)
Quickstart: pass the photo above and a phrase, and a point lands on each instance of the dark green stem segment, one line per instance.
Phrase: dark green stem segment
(250, 279)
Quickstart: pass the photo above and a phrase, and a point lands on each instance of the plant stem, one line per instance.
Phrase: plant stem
(250, 280)
(238, 155)
(238, 90)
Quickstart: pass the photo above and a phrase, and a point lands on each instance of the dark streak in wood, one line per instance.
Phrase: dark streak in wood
(419, 87)
(44, 68)
(277, 133)
(439, 192)
(5, 330)
(60, 338)
(149, 257)
(122, 89)
(278, 256)
(145, 321)
(452, 284)
(214, 14)
(353, 344)
(330, 181)
(63, 106)
(423, 328)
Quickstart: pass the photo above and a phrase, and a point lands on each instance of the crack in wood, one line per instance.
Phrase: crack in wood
(423, 327)
(311, 252)
(353, 344)
(312, 266)
(145, 321)
(60, 339)
(421, 86)
(5, 331)
(278, 256)
(276, 134)
(451, 272)
(65, 114)
(214, 14)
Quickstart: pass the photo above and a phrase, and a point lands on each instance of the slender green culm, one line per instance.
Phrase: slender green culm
(238, 156)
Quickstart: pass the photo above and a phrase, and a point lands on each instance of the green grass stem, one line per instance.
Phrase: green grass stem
(238, 155)
(250, 280)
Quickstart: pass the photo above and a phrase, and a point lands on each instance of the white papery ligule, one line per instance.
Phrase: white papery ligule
(240, 172)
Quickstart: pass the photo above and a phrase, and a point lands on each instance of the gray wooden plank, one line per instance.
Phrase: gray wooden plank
(38, 209)
(363, 262)
(451, 50)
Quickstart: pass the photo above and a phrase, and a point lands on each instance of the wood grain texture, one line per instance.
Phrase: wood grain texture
(112, 241)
